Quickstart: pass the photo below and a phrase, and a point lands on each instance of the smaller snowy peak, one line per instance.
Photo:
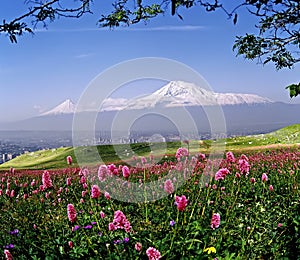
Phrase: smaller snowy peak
(236, 99)
(67, 107)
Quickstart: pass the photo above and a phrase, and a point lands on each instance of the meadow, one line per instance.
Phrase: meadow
(244, 206)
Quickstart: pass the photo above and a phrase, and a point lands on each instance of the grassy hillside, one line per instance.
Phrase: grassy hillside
(56, 158)
(286, 135)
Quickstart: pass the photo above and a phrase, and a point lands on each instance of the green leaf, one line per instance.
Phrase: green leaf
(294, 89)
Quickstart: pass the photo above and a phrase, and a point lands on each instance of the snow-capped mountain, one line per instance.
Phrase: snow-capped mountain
(242, 112)
(173, 94)
(179, 93)
(190, 94)
(67, 107)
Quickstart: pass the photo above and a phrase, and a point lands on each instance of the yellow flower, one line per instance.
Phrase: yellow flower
(210, 250)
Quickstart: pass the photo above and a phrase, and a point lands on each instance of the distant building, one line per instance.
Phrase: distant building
(6, 157)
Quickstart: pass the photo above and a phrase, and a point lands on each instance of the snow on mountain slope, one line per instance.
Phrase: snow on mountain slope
(235, 99)
(67, 107)
(179, 93)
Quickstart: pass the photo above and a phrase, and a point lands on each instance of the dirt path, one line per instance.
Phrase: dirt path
(269, 146)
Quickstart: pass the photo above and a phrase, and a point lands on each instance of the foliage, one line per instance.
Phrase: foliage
(277, 40)
(258, 217)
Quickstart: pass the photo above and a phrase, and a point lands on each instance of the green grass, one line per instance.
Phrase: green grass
(286, 135)
(56, 158)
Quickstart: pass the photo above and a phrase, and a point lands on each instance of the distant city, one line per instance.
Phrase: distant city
(14, 143)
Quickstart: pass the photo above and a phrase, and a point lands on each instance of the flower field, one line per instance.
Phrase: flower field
(245, 206)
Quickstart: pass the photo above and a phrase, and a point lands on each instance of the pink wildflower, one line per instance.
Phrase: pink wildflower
(264, 177)
(12, 193)
(271, 188)
(168, 186)
(70, 243)
(279, 225)
(107, 195)
(69, 160)
(138, 246)
(71, 213)
(125, 171)
(221, 174)
(201, 156)
(230, 157)
(82, 180)
(153, 253)
(95, 192)
(47, 183)
(103, 173)
(112, 167)
(244, 164)
(252, 180)
(181, 152)
(69, 181)
(143, 160)
(8, 255)
(215, 220)
(181, 202)
(111, 227)
(102, 214)
(83, 193)
(120, 221)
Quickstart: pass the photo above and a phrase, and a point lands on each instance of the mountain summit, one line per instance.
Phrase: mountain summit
(67, 107)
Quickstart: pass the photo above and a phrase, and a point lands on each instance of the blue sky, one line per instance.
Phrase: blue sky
(43, 70)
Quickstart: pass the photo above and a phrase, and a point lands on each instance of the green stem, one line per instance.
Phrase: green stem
(175, 229)
(145, 196)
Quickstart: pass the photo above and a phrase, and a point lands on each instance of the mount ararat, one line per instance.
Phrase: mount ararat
(243, 113)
